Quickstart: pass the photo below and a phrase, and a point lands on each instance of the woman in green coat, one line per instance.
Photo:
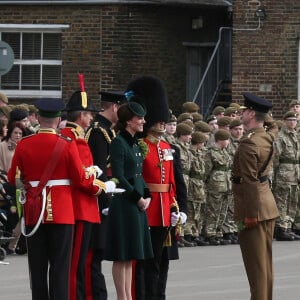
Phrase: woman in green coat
(128, 236)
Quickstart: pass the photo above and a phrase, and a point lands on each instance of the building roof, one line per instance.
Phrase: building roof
(219, 3)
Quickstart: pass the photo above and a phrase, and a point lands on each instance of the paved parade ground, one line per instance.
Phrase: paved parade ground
(208, 273)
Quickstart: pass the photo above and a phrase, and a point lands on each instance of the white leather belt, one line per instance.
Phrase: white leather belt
(53, 182)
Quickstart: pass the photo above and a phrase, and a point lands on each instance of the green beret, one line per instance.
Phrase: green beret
(198, 137)
(172, 119)
(230, 110)
(294, 102)
(32, 109)
(183, 129)
(188, 122)
(290, 115)
(202, 126)
(197, 117)
(190, 107)
(222, 135)
(211, 118)
(5, 110)
(22, 106)
(184, 116)
(224, 121)
(217, 110)
(234, 123)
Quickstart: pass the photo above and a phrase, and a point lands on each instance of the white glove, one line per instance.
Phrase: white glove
(94, 170)
(109, 186)
(105, 211)
(183, 217)
(174, 218)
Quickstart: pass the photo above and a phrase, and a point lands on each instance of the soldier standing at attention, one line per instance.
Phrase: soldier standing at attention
(295, 107)
(99, 137)
(47, 176)
(254, 204)
(287, 178)
(86, 210)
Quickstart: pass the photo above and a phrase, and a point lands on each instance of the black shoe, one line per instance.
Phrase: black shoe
(213, 241)
(224, 242)
(283, 235)
(296, 236)
(180, 244)
(231, 237)
(200, 242)
(186, 243)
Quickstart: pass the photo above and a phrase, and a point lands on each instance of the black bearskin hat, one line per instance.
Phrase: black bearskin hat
(151, 91)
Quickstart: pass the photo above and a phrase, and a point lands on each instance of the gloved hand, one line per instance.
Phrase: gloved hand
(109, 186)
(94, 170)
(105, 211)
(174, 218)
(183, 217)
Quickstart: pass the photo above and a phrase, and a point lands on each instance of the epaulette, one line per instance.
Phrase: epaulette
(66, 138)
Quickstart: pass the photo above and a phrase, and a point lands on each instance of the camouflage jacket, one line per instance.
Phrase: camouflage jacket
(185, 158)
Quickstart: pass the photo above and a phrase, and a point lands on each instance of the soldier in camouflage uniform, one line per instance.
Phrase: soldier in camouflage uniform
(183, 134)
(295, 107)
(287, 178)
(218, 185)
(196, 191)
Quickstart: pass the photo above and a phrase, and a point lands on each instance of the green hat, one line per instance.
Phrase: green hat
(183, 129)
(5, 110)
(294, 102)
(197, 117)
(184, 116)
(211, 118)
(217, 110)
(224, 121)
(222, 135)
(172, 119)
(202, 126)
(230, 110)
(234, 123)
(236, 105)
(32, 109)
(290, 115)
(190, 107)
(198, 137)
(188, 122)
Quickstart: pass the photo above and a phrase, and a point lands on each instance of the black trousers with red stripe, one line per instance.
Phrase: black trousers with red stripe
(79, 279)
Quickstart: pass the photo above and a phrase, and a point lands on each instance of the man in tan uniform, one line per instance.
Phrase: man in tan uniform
(254, 205)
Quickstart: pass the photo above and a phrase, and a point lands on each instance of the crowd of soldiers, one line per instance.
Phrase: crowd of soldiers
(207, 149)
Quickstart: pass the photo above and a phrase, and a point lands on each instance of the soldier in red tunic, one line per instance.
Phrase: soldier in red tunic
(158, 173)
(86, 210)
(48, 164)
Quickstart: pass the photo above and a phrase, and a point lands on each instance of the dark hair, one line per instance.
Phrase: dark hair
(3, 123)
(124, 115)
(11, 126)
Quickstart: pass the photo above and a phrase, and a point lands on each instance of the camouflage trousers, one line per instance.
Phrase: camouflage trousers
(215, 213)
(229, 225)
(195, 218)
(287, 198)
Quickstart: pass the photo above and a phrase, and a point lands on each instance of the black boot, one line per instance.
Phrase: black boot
(187, 241)
(213, 241)
(200, 241)
(283, 235)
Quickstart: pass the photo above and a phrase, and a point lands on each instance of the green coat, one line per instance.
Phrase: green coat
(128, 235)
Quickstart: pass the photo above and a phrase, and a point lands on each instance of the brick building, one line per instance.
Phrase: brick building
(113, 41)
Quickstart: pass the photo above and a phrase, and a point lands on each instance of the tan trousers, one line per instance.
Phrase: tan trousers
(256, 247)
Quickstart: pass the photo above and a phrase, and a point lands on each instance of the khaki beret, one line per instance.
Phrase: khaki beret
(5, 110)
(234, 123)
(211, 118)
(184, 116)
(197, 117)
(217, 110)
(183, 129)
(236, 105)
(224, 121)
(190, 107)
(198, 137)
(22, 106)
(290, 115)
(32, 109)
(188, 122)
(230, 110)
(3, 98)
(202, 126)
(222, 135)
(294, 102)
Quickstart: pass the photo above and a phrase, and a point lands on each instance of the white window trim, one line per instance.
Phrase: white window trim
(53, 28)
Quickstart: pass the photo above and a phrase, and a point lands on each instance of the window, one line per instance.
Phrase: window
(37, 69)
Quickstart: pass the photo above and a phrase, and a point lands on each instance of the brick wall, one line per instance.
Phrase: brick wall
(265, 61)
(112, 44)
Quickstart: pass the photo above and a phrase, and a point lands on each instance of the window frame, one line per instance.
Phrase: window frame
(34, 28)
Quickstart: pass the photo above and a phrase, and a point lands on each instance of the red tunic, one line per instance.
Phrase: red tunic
(31, 157)
(158, 169)
(85, 204)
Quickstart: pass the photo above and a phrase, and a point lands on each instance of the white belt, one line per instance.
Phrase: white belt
(53, 182)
